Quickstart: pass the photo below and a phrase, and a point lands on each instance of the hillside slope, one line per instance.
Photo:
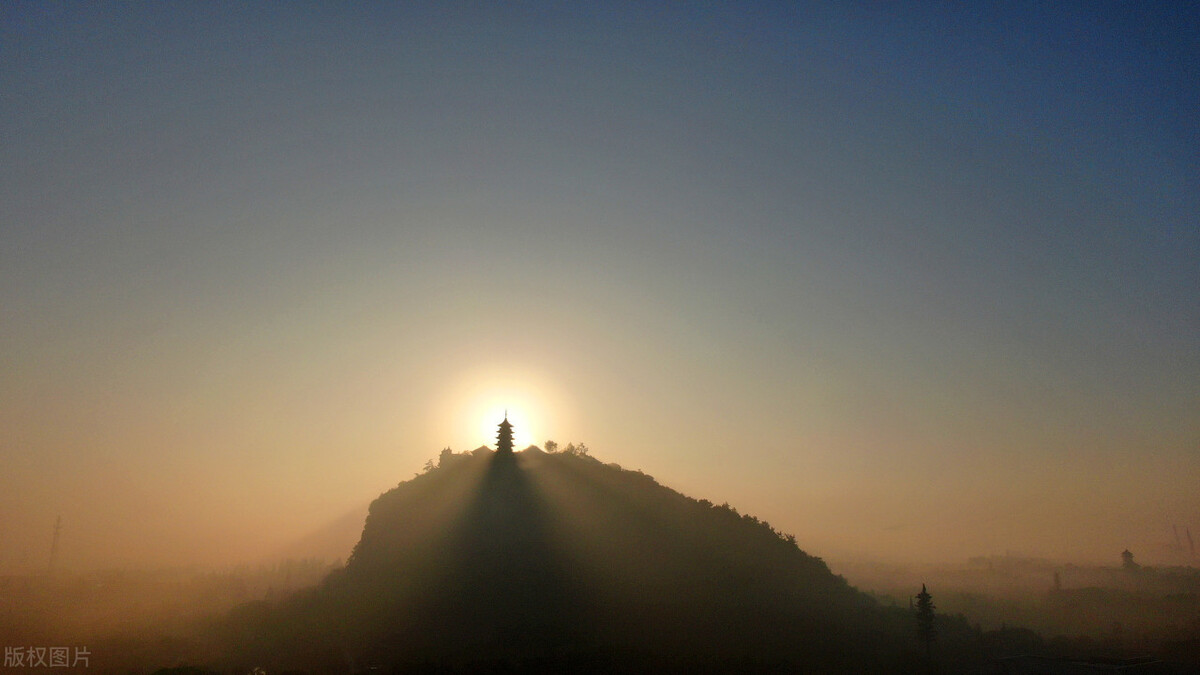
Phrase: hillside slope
(562, 561)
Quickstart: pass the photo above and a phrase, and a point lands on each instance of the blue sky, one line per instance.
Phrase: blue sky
(800, 258)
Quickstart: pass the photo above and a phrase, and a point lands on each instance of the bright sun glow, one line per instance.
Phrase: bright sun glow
(477, 399)
(522, 429)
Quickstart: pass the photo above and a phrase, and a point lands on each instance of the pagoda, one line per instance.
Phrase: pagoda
(504, 437)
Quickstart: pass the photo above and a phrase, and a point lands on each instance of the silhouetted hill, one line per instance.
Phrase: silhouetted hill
(542, 561)
(333, 540)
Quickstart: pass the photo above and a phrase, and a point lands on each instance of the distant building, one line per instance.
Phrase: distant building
(504, 437)
(1127, 560)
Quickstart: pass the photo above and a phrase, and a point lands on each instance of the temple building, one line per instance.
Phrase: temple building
(504, 437)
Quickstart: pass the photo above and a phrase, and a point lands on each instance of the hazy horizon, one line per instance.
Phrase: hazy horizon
(916, 284)
(330, 541)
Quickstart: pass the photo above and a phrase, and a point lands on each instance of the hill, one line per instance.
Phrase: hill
(559, 560)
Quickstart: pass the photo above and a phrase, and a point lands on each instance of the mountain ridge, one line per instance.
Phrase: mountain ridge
(555, 558)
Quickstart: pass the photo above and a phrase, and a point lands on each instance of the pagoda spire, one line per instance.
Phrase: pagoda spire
(504, 437)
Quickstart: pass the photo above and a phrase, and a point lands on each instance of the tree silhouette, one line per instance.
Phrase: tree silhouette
(926, 631)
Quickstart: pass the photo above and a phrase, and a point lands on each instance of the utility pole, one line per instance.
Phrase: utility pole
(54, 544)
(926, 630)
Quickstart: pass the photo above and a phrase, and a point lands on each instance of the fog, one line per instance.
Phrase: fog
(915, 285)
(588, 533)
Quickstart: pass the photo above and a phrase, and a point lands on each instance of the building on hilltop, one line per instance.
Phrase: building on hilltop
(504, 437)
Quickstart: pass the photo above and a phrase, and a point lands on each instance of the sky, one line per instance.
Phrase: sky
(909, 282)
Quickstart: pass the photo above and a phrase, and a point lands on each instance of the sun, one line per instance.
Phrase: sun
(477, 399)
(522, 427)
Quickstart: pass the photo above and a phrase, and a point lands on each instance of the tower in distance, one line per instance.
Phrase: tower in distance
(504, 437)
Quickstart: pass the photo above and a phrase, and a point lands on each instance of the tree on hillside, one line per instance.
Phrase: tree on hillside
(926, 631)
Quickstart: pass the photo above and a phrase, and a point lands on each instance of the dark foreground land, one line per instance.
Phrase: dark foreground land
(536, 562)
